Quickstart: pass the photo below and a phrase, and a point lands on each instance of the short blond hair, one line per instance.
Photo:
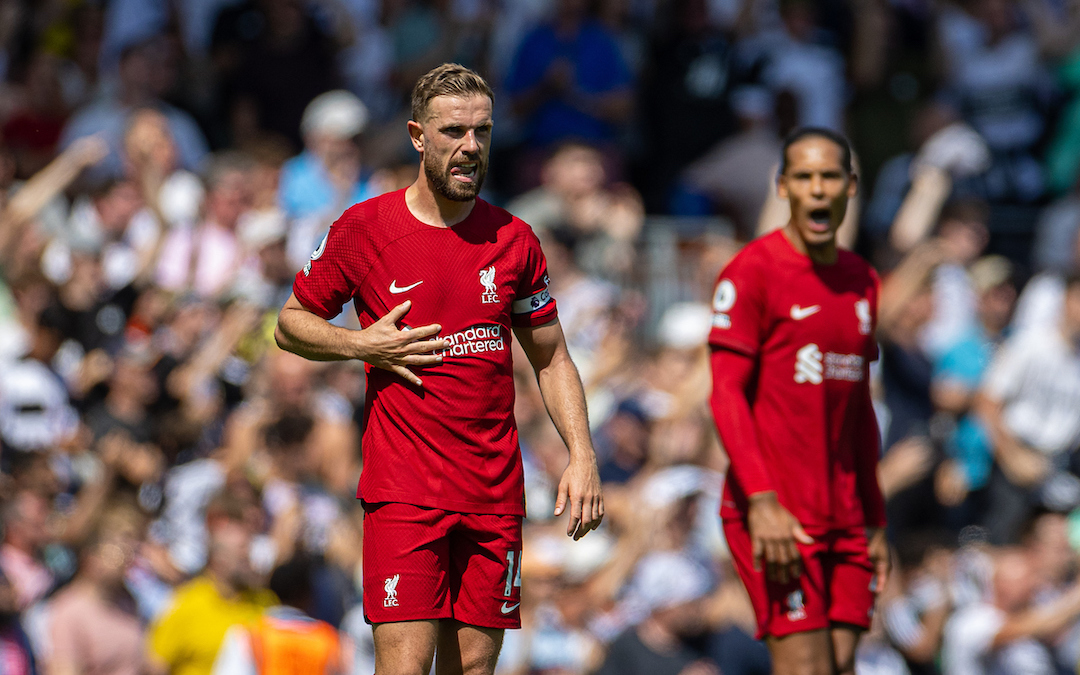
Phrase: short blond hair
(449, 79)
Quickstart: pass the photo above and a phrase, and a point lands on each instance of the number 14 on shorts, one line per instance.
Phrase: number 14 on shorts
(513, 573)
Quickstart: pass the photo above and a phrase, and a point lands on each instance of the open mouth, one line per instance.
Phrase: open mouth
(820, 219)
(465, 172)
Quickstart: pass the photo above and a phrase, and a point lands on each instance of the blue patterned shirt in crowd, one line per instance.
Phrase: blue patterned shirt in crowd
(963, 365)
(305, 188)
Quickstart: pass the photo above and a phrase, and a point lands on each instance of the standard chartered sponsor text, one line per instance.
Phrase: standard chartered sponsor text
(474, 340)
(847, 367)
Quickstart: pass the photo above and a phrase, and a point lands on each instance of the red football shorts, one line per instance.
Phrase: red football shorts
(422, 563)
(835, 586)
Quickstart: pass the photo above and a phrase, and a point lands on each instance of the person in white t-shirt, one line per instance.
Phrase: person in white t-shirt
(1029, 402)
(205, 258)
(1005, 635)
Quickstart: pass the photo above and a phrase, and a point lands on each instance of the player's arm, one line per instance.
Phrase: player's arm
(564, 397)
(773, 530)
(382, 344)
(1022, 465)
(1041, 623)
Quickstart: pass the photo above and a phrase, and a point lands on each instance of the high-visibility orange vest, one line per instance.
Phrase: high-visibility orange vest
(292, 647)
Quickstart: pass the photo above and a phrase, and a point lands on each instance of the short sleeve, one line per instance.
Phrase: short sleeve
(533, 304)
(329, 279)
(738, 306)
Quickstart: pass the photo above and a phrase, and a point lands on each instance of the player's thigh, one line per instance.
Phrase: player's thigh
(405, 647)
(805, 653)
(467, 650)
(799, 606)
(850, 576)
(845, 639)
(485, 563)
(485, 570)
(406, 562)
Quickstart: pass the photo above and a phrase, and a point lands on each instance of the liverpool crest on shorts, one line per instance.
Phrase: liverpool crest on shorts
(390, 586)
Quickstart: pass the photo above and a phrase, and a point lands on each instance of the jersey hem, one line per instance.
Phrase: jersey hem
(804, 627)
(381, 496)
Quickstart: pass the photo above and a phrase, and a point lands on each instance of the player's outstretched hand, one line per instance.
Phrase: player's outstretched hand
(773, 535)
(580, 486)
(878, 548)
(393, 349)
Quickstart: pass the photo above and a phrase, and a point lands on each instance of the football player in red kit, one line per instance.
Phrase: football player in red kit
(439, 278)
(792, 340)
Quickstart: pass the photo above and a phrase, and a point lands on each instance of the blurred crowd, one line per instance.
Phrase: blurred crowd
(175, 491)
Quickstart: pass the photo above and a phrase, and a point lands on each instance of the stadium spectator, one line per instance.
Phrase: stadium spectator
(186, 638)
(26, 533)
(146, 72)
(796, 56)
(990, 55)
(567, 80)
(206, 257)
(285, 639)
(603, 219)
(326, 177)
(285, 58)
(689, 76)
(1008, 633)
(15, 647)
(35, 407)
(93, 624)
(1055, 562)
(1028, 403)
(961, 479)
(919, 602)
(32, 131)
(735, 173)
(671, 589)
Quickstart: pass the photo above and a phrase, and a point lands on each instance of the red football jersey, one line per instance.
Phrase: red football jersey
(452, 444)
(810, 330)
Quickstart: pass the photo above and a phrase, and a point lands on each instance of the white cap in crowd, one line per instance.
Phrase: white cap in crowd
(336, 113)
(684, 325)
(667, 578)
(258, 229)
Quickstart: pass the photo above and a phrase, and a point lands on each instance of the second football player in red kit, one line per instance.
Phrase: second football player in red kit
(792, 340)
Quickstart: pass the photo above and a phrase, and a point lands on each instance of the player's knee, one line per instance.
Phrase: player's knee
(802, 662)
(478, 668)
(479, 660)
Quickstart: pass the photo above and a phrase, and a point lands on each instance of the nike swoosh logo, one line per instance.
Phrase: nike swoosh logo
(395, 289)
(800, 313)
(506, 610)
